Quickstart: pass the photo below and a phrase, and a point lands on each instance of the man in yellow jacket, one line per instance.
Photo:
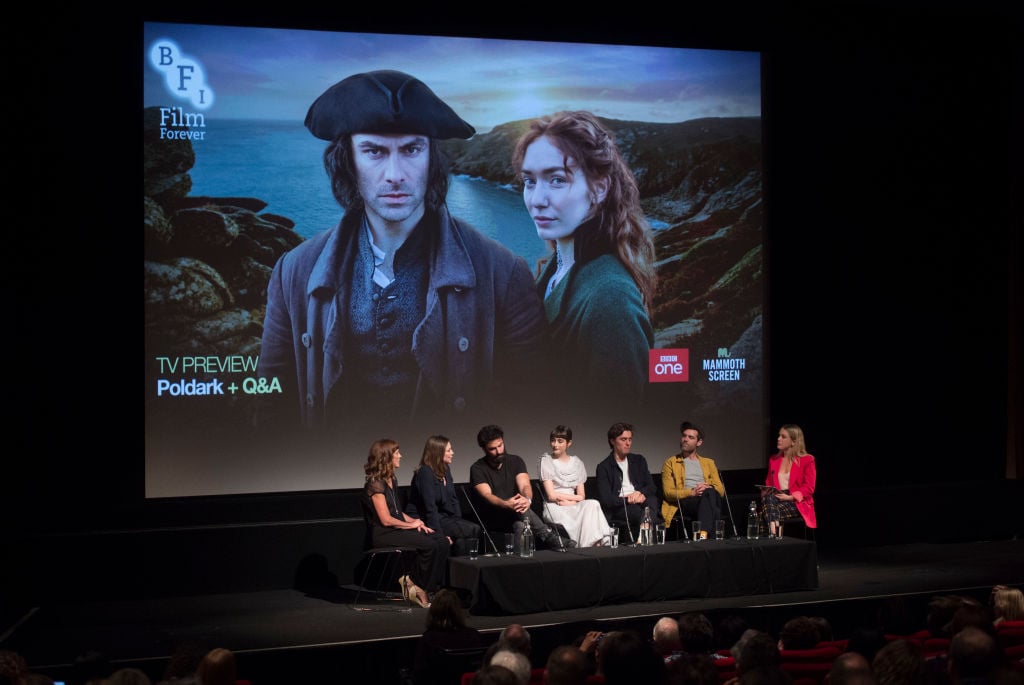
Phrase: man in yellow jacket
(691, 482)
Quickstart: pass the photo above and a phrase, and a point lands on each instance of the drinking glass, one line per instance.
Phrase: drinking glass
(510, 543)
(696, 530)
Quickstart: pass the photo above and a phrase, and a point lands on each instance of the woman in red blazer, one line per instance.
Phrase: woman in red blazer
(792, 474)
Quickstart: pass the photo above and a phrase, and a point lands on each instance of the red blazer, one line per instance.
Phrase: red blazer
(802, 477)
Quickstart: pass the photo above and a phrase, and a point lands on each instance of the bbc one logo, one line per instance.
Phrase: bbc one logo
(184, 79)
(669, 366)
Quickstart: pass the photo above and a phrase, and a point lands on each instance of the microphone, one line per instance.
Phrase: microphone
(682, 521)
(544, 503)
(735, 533)
(625, 510)
(480, 520)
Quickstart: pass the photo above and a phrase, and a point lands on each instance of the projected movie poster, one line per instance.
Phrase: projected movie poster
(284, 332)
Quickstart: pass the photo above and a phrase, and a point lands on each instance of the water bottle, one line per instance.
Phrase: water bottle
(753, 523)
(646, 528)
(526, 543)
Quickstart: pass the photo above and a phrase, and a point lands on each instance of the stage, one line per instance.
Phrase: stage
(318, 633)
(596, 576)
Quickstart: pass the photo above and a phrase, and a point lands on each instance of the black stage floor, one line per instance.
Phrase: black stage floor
(276, 632)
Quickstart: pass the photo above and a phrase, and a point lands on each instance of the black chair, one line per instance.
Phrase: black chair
(381, 569)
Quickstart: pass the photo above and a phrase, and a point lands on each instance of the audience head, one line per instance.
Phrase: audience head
(446, 612)
(516, 638)
(1008, 604)
(728, 630)
(940, 612)
(850, 668)
(517, 662)
(866, 642)
(696, 633)
(824, 627)
(12, 666)
(759, 650)
(974, 615)
(692, 669)
(130, 676)
(899, 662)
(798, 633)
(625, 658)
(666, 636)
(566, 665)
(218, 667)
(492, 674)
(973, 653)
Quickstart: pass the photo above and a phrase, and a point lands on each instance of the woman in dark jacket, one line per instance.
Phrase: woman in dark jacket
(433, 497)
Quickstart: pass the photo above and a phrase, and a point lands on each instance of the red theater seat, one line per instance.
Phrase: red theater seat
(935, 646)
(809, 664)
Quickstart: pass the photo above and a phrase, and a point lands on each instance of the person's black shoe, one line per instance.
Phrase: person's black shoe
(553, 540)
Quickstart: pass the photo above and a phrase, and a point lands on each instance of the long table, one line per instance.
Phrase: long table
(595, 576)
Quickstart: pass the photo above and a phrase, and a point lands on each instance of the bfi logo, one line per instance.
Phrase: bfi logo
(669, 366)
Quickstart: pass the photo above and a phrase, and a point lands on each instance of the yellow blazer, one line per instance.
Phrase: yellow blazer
(673, 479)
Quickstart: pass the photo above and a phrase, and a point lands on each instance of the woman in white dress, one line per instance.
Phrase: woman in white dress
(563, 478)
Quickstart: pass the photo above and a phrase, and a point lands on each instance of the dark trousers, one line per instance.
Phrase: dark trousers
(431, 553)
(460, 531)
(706, 508)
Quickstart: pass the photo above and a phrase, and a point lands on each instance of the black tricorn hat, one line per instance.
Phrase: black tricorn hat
(383, 102)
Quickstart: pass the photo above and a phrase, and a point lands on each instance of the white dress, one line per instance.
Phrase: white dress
(583, 521)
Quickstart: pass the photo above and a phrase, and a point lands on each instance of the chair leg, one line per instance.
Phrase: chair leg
(394, 565)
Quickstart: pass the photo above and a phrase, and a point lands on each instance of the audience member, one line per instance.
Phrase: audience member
(692, 669)
(517, 662)
(1007, 604)
(940, 614)
(513, 637)
(567, 665)
(696, 634)
(446, 628)
(758, 650)
(218, 667)
(492, 674)
(974, 656)
(135, 676)
(866, 641)
(824, 627)
(799, 632)
(625, 658)
(665, 637)
(850, 668)
(12, 666)
(975, 615)
(899, 662)
(728, 630)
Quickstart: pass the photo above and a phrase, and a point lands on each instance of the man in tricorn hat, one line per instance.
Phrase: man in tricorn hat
(401, 311)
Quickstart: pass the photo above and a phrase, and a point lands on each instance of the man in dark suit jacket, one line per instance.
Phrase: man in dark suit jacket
(624, 483)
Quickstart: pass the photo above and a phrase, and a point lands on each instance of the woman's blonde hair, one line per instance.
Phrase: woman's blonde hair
(796, 434)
